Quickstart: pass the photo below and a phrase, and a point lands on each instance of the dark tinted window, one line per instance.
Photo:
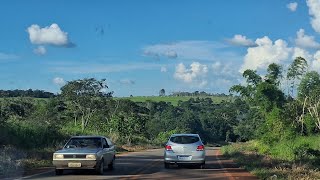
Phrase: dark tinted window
(184, 139)
(84, 143)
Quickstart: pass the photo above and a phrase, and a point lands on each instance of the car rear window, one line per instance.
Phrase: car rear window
(184, 139)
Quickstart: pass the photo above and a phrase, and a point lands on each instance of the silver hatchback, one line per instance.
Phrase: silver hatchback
(184, 149)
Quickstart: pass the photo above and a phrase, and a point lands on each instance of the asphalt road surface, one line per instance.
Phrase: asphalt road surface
(149, 165)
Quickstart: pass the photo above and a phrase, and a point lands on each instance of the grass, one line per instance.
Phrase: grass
(290, 159)
(174, 99)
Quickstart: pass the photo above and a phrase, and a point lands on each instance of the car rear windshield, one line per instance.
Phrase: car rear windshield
(84, 143)
(184, 139)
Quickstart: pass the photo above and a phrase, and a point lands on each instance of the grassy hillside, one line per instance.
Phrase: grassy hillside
(175, 99)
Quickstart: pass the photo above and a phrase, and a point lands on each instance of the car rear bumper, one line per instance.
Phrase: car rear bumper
(85, 164)
(185, 162)
(196, 158)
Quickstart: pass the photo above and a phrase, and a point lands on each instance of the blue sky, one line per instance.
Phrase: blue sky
(143, 46)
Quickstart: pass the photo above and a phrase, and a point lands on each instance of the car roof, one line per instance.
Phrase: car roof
(173, 135)
(88, 137)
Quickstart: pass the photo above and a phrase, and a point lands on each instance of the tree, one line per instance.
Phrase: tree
(309, 85)
(295, 71)
(83, 97)
(274, 74)
(162, 92)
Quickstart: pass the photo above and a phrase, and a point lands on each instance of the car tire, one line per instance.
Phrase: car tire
(100, 167)
(111, 165)
(167, 165)
(59, 171)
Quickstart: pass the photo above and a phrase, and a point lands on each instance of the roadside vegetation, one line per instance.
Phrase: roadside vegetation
(274, 118)
(282, 125)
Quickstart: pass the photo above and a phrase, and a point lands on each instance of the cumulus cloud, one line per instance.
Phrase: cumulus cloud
(163, 69)
(265, 53)
(306, 41)
(314, 12)
(194, 74)
(315, 64)
(299, 52)
(51, 35)
(59, 81)
(240, 40)
(225, 70)
(127, 82)
(40, 50)
(292, 6)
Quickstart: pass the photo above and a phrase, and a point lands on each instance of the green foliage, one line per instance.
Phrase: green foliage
(309, 85)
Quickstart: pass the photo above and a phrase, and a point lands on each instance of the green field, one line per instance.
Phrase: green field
(175, 99)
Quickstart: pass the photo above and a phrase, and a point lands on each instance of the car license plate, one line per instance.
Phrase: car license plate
(184, 158)
(74, 164)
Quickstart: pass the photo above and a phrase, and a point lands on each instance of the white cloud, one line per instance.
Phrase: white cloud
(299, 52)
(193, 75)
(314, 12)
(4, 56)
(265, 53)
(315, 64)
(40, 50)
(306, 41)
(51, 35)
(127, 81)
(163, 69)
(241, 40)
(226, 70)
(292, 6)
(59, 81)
(200, 50)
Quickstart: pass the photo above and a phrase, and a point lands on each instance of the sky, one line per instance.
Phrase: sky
(143, 46)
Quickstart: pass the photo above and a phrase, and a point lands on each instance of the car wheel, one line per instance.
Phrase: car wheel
(167, 165)
(59, 171)
(100, 168)
(111, 165)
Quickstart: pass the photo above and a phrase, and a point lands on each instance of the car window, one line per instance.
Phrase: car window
(84, 143)
(109, 142)
(184, 139)
(105, 143)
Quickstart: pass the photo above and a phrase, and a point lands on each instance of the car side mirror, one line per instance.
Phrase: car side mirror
(105, 146)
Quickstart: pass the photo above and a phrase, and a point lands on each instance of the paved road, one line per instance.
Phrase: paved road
(149, 165)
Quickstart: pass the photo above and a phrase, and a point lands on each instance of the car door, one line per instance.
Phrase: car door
(111, 148)
(106, 151)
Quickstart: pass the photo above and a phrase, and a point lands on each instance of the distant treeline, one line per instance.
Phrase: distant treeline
(197, 93)
(26, 93)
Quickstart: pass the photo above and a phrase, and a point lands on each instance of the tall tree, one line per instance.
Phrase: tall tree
(84, 97)
(295, 71)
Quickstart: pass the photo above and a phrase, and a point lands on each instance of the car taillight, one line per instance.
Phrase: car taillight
(200, 148)
(168, 148)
